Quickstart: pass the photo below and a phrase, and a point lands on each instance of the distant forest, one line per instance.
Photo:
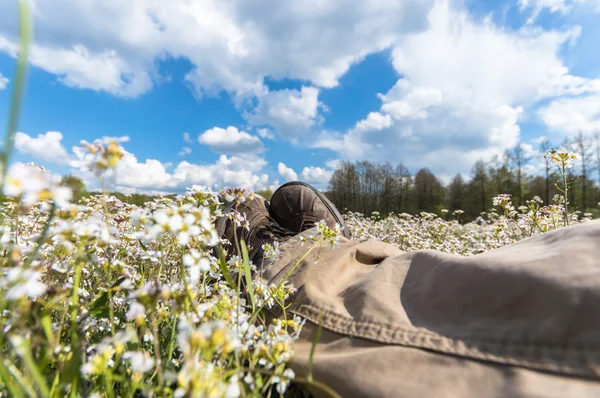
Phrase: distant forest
(367, 187)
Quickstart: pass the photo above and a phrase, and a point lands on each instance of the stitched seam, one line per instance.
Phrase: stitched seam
(400, 330)
(546, 357)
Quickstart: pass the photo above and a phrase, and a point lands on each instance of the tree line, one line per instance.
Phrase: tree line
(368, 187)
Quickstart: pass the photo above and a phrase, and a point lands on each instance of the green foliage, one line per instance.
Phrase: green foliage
(126, 300)
(77, 186)
(266, 193)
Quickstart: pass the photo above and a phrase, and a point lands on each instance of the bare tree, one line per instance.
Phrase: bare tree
(583, 149)
(456, 193)
(428, 190)
(544, 147)
(480, 177)
(343, 186)
(519, 160)
(404, 182)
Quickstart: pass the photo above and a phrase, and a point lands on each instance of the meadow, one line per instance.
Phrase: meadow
(105, 298)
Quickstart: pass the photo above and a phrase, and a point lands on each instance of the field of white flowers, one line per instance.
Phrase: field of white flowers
(103, 298)
(107, 297)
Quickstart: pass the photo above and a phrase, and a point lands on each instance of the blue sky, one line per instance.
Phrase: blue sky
(257, 93)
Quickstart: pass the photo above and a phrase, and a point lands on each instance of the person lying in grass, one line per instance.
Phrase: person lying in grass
(515, 321)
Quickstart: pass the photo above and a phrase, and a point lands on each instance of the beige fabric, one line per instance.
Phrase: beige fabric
(523, 320)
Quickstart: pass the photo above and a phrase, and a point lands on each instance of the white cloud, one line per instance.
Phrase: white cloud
(46, 147)
(185, 151)
(226, 171)
(573, 115)
(113, 46)
(150, 175)
(406, 102)
(231, 141)
(375, 121)
(290, 112)
(286, 172)
(79, 67)
(528, 69)
(312, 175)
(463, 98)
(554, 6)
(316, 176)
(187, 138)
(3, 82)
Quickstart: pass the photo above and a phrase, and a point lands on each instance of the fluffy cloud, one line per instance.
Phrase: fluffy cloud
(461, 101)
(286, 172)
(290, 112)
(573, 115)
(79, 67)
(47, 147)
(113, 46)
(187, 138)
(3, 82)
(528, 69)
(151, 175)
(226, 171)
(231, 141)
(375, 121)
(404, 102)
(316, 176)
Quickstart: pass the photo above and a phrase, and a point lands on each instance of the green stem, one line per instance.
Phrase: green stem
(111, 312)
(285, 278)
(172, 342)
(17, 93)
(8, 369)
(564, 174)
(109, 383)
(23, 349)
(157, 352)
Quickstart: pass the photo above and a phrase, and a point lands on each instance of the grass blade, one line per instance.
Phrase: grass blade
(223, 267)
(22, 348)
(248, 273)
(8, 370)
(18, 87)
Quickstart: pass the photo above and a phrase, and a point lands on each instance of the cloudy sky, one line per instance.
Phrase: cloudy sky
(255, 93)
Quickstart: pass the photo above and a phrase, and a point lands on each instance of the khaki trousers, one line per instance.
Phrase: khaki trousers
(519, 321)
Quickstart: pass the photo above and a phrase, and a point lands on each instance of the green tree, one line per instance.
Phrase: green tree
(265, 193)
(77, 186)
